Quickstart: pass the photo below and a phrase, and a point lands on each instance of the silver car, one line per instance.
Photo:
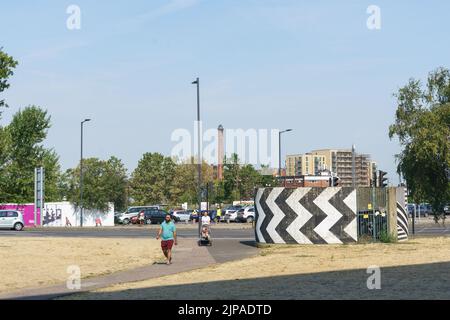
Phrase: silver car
(181, 216)
(11, 219)
(125, 218)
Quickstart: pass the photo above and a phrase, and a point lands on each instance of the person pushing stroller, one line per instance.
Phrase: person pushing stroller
(205, 234)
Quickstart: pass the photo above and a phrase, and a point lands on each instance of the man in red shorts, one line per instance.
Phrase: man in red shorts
(168, 235)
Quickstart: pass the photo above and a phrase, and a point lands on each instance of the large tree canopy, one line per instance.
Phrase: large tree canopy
(152, 179)
(22, 152)
(184, 187)
(422, 126)
(103, 182)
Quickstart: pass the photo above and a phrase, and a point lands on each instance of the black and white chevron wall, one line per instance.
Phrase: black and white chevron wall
(402, 223)
(306, 215)
(402, 215)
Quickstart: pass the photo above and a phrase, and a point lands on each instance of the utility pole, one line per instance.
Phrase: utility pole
(81, 174)
(199, 159)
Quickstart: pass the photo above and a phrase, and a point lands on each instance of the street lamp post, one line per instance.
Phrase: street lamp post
(81, 174)
(279, 150)
(199, 155)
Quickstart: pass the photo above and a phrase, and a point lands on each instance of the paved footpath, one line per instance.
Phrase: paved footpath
(187, 256)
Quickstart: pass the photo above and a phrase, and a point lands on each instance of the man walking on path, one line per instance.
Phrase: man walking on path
(168, 235)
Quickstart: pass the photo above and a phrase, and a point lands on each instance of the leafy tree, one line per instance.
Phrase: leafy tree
(116, 177)
(240, 180)
(249, 180)
(231, 169)
(218, 192)
(422, 126)
(152, 179)
(22, 152)
(50, 162)
(185, 183)
(5, 142)
(7, 64)
(103, 182)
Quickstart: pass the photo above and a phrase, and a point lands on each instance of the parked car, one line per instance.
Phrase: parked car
(425, 209)
(125, 218)
(152, 216)
(11, 219)
(181, 215)
(246, 214)
(231, 213)
(232, 209)
(116, 217)
(232, 216)
(410, 208)
(447, 209)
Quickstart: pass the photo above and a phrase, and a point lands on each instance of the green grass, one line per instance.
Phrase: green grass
(386, 237)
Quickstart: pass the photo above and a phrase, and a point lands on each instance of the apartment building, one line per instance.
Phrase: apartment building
(304, 164)
(339, 161)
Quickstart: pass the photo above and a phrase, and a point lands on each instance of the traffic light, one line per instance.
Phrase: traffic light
(373, 181)
(335, 181)
(381, 179)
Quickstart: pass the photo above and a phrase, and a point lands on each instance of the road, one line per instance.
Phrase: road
(426, 226)
(222, 232)
(218, 233)
(431, 231)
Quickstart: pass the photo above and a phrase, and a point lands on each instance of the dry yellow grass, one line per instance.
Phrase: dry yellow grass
(33, 262)
(286, 271)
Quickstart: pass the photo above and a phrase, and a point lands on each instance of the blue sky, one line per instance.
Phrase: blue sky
(312, 66)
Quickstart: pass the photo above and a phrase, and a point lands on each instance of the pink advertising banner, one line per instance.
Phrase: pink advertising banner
(27, 211)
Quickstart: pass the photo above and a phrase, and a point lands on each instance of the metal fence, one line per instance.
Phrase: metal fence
(371, 225)
(372, 205)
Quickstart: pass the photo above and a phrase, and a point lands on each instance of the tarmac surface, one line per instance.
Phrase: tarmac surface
(218, 232)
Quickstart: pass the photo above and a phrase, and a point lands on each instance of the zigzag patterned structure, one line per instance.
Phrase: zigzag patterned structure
(259, 216)
(306, 215)
(402, 223)
(346, 228)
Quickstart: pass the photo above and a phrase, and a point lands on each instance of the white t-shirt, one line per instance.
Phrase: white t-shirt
(206, 220)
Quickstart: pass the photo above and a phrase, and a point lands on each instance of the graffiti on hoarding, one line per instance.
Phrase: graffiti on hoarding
(52, 216)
